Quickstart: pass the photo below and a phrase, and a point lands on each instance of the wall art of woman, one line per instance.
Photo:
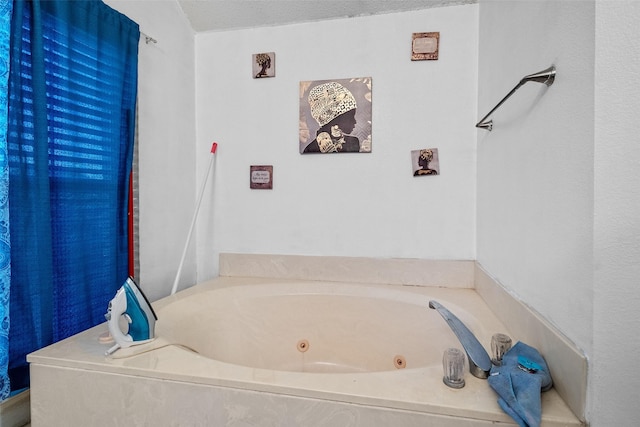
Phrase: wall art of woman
(425, 162)
(329, 110)
(264, 65)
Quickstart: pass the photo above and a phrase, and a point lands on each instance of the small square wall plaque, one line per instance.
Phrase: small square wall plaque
(264, 65)
(425, 46)
(261, 177)
(425, 162)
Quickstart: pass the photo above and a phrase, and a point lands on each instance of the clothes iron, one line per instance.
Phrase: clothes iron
(131, 304)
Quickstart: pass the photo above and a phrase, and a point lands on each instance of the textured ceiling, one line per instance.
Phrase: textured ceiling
(220, 15)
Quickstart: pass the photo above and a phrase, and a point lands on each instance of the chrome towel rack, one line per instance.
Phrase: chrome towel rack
(545, 76)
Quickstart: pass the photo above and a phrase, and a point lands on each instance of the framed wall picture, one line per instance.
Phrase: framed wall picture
(264, 65)
(261, 177)
(335, 116)
(425, 46)
(425, 162)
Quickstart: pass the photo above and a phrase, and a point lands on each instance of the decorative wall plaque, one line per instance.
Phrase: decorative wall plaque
(425, 162)
(261, 177)
(425, 46)
(264, 65)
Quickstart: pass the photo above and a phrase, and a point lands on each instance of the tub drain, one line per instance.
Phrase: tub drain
(399, 362)
(303, 345)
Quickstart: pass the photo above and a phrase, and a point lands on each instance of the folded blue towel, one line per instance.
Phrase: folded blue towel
(519, 381)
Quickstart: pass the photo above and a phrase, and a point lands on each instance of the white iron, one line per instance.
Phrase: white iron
(130, 303)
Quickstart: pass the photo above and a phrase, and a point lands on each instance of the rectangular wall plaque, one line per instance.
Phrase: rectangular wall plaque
(261, 177)
(425, 46)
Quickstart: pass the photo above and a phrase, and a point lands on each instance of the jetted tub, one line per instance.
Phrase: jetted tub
(318, 327)
(265, 352)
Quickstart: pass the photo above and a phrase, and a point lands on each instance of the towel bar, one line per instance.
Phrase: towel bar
(545, 76)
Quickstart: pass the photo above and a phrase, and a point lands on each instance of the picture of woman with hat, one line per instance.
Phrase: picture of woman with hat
(333, 107)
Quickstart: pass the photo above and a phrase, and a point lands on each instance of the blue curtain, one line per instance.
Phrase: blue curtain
(5, 252)
(72, 95)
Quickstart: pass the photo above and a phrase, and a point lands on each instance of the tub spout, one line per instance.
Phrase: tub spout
(479, 361)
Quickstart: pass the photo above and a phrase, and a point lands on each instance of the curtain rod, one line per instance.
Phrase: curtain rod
(148, 39)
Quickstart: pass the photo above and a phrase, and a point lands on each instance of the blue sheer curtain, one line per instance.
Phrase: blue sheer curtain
(5, 243)
(72, 95)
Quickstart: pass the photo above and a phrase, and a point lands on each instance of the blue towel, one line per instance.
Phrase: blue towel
(519, 381)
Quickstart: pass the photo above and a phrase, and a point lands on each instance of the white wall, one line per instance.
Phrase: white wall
(166, 121)
(616, 304)
(558, 197)
(535, 169)
(341, 204)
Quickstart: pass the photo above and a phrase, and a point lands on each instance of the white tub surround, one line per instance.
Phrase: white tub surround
(568, 365)
(165, 384)
(389, 271)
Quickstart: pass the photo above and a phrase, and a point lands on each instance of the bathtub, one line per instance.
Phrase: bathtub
(272, 352)
(312, 327)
